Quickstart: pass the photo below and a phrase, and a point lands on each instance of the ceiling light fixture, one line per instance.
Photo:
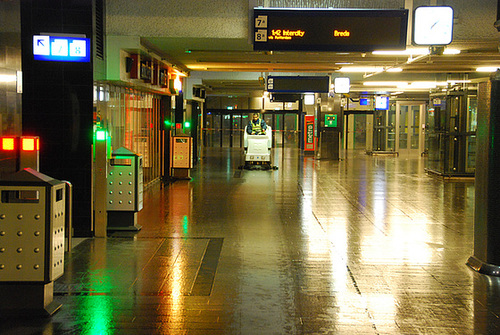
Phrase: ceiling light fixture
(384, 83)
(451, 51)
(487, 69)
(362, 69)
(458, 81)
(394, 69)
(413, 52)
(406, 85)
(407, 52)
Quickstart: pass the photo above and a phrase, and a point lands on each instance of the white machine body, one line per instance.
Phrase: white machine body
(258, 147)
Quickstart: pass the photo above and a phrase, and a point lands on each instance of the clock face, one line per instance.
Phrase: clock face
(433, 25)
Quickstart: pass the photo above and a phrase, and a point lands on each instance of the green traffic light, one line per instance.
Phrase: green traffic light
(187, 124)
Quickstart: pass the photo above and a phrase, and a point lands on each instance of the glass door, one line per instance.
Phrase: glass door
(470, 166)
(278, 129)
(226, 130)
(237, 133)
(403, 129)
(379, 130)
(414, 129)
(291, 133)
(391, 129)
(359, 131)
(410, 137)
(212, 130)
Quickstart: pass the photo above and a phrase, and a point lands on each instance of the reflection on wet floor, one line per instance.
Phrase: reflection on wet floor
(368, 245)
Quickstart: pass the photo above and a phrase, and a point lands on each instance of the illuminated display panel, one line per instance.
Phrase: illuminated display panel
(298, 84)
(8, 143)
(330, 29)
(381, 103)
(331, 120)
(61, 48)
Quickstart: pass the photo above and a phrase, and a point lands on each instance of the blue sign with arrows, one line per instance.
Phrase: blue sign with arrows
(61, 49)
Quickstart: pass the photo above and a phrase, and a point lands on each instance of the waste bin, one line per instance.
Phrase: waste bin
(32, 232)
(125, 190)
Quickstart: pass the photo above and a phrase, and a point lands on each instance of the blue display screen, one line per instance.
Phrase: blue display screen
(382, 103)
(61, 49)
(363, 102)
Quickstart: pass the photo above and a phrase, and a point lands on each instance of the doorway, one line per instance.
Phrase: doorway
(355, 128)
(225, 129)
(285, 128)
(384, 130)
(410, 116)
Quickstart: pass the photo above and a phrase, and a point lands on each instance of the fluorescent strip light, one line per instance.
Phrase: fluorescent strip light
(427, 84)
(385, 83)
(394, 69)
(361, 69)
(416, 51)
(422, 84)
(406, 85)
(458, 81)
(487, 69)
(413, 52)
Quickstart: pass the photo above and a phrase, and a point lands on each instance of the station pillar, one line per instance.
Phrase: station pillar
(486, 258)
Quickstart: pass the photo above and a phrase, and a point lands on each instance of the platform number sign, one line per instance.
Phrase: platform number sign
(61, 48)
(261, 34)
(261, 21)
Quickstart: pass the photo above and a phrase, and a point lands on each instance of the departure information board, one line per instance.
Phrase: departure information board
(330, 29)
(298, 84)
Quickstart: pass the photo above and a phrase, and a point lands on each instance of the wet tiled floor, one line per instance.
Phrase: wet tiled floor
(368, 245)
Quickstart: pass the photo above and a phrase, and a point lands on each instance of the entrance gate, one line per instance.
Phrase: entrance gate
(225, 128)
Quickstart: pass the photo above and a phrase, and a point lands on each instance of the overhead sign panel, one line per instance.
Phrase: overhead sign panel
(330, 29)
(298, 84)
(61, 49)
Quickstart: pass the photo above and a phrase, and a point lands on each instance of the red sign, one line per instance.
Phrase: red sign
(309, 138)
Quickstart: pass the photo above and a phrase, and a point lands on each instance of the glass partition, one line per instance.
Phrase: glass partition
(132, 119)
(451, 133)
(391, 128)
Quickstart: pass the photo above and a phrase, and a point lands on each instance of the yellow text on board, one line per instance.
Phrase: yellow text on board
(345, 33)
(284, 34)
